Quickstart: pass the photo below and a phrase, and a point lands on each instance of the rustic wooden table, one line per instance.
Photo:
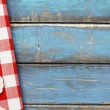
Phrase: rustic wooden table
(63, 53)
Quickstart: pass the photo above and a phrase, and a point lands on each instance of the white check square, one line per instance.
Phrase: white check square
(14, 104)
(4, 33)
(1, 10)
(9, 81)
(6, 57)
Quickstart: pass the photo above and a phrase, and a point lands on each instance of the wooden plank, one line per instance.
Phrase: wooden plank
(66, 107)
(65, 84)
(61, 43)
(59, 10)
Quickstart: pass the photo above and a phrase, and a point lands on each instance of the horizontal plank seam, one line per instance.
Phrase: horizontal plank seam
(59, 22)
(45, 63)
(80, 104)
(62, 106)
(65, 25)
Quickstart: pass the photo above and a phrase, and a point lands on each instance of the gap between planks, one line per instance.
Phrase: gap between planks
(59, 63)
(97, 23)
(64, 25)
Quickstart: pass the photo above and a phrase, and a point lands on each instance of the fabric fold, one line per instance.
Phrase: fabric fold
(10, 97)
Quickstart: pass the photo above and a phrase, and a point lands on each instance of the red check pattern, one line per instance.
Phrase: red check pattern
(10, 98)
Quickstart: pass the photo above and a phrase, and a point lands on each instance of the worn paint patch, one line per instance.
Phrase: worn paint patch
(65, 84)
(63, 44)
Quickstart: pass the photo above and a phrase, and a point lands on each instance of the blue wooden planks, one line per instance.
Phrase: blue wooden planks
(44, 86)
(59, 10)
(62, 44)
(65, 84)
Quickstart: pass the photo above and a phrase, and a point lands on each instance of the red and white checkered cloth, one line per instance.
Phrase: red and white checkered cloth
(10, 98)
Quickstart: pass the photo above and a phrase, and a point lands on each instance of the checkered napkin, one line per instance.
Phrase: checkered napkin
(10, 98)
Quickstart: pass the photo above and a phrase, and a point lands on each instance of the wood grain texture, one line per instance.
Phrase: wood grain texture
(62, 43)
(66, 107)
(65, 84)
(59, 10)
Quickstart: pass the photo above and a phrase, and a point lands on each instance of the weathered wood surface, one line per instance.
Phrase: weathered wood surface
(65, 84)
(66, 107)
(59, 10)
(37, 43)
